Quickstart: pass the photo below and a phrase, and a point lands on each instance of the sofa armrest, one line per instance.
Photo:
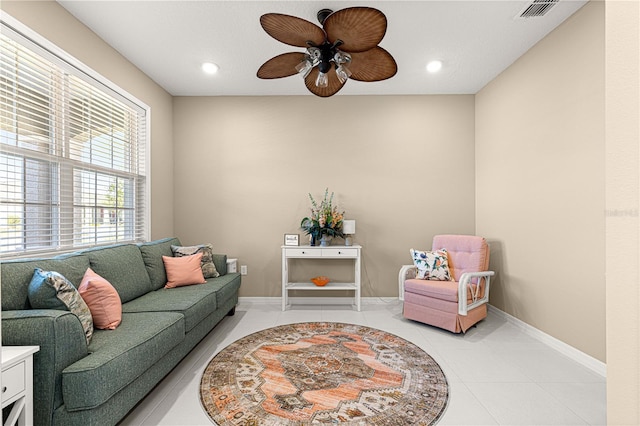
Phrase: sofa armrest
(407, 272)
(62, 342)
(464, 286)
(220, 260)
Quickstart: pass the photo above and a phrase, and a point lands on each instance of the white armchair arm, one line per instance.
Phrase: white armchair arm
(464, 286)
(407, 272)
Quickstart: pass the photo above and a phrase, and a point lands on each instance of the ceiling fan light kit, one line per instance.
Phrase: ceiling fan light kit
(345, 47)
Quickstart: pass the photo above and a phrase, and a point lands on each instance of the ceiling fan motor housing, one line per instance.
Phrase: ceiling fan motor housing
(323, 14)
(327, 52)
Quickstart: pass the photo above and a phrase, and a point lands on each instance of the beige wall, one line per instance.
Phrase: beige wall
(402, 166)
(623, 205)
(54, 23)
(540, 183)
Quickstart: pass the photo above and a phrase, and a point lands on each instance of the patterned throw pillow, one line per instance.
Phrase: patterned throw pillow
(432, 265)
(208, 267)
(50, 290)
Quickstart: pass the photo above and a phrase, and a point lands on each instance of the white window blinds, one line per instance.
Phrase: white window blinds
(72, 155)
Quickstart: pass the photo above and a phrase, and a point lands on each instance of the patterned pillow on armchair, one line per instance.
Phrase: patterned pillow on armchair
(432, 265)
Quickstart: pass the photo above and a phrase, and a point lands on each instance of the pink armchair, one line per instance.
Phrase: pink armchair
(452, 305)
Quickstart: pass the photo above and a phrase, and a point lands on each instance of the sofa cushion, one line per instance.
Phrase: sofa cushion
(195, 302)
(220, 260)
(226, 287)
(17, 274)
(117, 357)
(152, 253)
(123, 267)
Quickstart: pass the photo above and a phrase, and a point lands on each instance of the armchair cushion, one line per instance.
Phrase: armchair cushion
(467, 253)
(432, 265)
(441, 290)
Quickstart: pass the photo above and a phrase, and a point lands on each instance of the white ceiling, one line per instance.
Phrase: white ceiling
(168, 41)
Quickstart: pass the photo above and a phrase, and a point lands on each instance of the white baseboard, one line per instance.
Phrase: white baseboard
(320, 300)
(268, 300)
(576, 355)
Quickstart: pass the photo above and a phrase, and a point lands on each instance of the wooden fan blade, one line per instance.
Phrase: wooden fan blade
(281, 66)
(359, 28)
(373, 65)
(332, 88)
(291, 30)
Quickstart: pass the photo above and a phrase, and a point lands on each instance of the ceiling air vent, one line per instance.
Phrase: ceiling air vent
(537, 8)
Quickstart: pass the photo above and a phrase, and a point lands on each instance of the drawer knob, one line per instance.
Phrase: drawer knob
(339, 252)
(4, 389)
(303, 252)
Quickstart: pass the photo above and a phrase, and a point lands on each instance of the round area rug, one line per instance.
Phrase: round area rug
(323, 372)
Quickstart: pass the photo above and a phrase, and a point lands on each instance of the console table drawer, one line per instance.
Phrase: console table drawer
(301, 252)
(12, 381)
(317, 252)
(339, 252)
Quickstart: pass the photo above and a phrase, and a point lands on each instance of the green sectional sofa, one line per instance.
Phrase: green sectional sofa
(99, 383)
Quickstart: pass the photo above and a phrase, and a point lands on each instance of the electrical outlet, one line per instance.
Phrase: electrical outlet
(243, 270)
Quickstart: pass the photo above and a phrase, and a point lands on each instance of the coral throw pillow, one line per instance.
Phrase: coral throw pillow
(183, 271)
(103, 300)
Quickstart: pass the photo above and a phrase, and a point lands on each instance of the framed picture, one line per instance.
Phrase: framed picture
(291, 239)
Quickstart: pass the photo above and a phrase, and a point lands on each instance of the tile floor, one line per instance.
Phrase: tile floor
(497, 374)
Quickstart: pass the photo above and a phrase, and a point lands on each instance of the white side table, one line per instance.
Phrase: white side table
(316, 252)
(17, 383)
(232, 265)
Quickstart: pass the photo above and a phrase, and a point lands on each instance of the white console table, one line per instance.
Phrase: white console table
(17, 383)
(317, 252)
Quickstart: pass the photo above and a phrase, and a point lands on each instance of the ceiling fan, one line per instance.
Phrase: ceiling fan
(345, 47)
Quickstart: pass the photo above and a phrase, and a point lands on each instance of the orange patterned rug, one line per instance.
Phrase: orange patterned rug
(323, 372)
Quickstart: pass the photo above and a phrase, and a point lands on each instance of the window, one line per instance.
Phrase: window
(72, 153)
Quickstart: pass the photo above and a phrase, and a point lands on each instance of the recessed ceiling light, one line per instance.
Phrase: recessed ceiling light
(434, 66)
(210, 68)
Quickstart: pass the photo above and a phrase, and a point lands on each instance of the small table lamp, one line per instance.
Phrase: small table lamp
(348, 229)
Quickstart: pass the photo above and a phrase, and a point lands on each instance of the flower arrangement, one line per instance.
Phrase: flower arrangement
(325, 219)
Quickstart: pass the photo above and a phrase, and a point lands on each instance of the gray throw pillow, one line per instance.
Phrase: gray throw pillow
(208, 267)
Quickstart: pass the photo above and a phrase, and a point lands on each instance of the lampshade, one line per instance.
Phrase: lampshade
(349, 227)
